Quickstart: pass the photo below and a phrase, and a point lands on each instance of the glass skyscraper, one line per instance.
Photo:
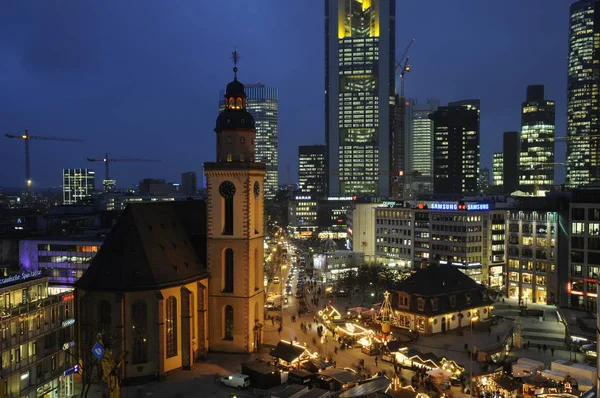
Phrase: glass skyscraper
(583, 108)
(497, 169)
(262, 103)
(536, 157)
(77, 184)
(419, 146)
(359, 95)
(311, 169)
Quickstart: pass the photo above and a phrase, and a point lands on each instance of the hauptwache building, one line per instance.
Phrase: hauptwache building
(175, 280)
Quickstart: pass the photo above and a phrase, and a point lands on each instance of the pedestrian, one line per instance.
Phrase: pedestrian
(335, 363)
(545, 348)
(375, 361)
(539, 348)
(552, 350)
(272, 321)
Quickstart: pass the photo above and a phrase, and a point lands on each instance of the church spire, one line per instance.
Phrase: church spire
(235, 56)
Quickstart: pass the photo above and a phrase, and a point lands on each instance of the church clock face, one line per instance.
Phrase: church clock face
(256, 189)
(227, 189)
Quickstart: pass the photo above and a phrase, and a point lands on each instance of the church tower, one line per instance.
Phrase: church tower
(235, 229)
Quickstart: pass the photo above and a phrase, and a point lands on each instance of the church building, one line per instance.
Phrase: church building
(175, 280)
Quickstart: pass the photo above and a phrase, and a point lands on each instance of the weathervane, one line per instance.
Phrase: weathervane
(236, 58)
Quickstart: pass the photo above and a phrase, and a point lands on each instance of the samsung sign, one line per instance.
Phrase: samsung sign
(460, 206)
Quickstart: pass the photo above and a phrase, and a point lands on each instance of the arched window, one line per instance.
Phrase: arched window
(257, 268)
(228, 323)
(239, 103)
(104, 316)
(139, 325)
(227, 191)
(171, 326)
(232, 103)
(228, 271)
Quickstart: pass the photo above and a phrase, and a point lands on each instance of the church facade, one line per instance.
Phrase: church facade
(175, 280)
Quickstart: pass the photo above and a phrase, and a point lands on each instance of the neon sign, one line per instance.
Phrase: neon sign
(460, 206)
(68, 297)
(21, 277)
(68, 322)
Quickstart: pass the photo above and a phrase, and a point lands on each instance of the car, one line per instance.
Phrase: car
(276, 279)
(236, 380)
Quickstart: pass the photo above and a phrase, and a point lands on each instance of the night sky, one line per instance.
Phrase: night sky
(141, 78)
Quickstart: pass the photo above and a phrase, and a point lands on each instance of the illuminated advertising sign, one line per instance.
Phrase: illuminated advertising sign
(391, 204)
(68, 322)
(21, 277)
(459, 206)
(74, 369)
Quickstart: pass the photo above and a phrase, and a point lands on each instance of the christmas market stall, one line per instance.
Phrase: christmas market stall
(415, 359)
(291, 354)
(351, 333)
(370, 343)
(330, 316)
(496, 383)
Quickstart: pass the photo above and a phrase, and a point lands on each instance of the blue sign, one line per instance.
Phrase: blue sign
(74, 369)
(98, 351)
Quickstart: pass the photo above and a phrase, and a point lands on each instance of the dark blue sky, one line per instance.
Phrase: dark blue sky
(141, 78)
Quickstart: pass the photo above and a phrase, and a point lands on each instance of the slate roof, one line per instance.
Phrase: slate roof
(441, 282)
(152, 246)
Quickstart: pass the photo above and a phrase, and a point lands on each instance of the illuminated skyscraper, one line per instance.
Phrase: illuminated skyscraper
(456, 148)
(497, 170)
(536, 157)
(359, 95)
(583, 94)
(419, 146)
(77, 184)
(311, 169)
(262, 103)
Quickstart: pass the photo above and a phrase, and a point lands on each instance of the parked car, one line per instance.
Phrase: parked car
(236, 380)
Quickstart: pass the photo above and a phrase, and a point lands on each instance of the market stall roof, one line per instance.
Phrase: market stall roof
(507, 383)
(353, 329)
(370, 387)
(340, 375)
(439, 373)
(360, 310)
(287, 351)
(428, 359)
(394, 345)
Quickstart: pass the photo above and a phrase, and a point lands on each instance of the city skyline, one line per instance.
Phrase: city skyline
(116, 88)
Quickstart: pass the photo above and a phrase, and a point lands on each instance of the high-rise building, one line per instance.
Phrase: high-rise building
(189, 183)
(262, 103)
(484, 180)
(497, 169)
(311, 169)
(583, 94)
(456, 148)
(510, 161)
(398, 146)
(536, 157)
(359, 95)
(419, 146)
(77, 184)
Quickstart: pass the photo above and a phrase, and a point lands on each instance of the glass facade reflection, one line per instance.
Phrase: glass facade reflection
(583, 152)
(359, 95)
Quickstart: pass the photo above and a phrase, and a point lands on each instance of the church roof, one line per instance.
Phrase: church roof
(152, 246)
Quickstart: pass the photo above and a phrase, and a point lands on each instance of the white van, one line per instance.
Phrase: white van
(236, 380)
(273, 302)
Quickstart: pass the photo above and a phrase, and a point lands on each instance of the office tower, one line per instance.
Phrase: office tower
(583, 91)
(311, 169)
(497, 169)
(189, 183)
(419, 146)
(484, 180)
(359, 92)
(262, 103)
(510, 161)
(77, 184)
(536, 156)
(456, 148)
(398, 147)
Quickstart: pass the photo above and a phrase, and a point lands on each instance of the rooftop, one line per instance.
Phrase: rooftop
(437, 280)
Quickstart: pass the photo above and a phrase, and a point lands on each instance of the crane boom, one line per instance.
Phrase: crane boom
(107, 160)
(26, 138)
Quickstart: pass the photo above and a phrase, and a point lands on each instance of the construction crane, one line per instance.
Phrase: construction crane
(26, 138)
(403, 65)
(107, 161)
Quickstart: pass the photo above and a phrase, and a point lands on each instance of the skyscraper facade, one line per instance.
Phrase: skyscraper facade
(583, 94)
(77, 184)
(497, 169)
(536, 155)
(189, 183)
(456, 148)
(262, 103)
(311, 169)
(359, 95)
(510, 161)
(419, 145)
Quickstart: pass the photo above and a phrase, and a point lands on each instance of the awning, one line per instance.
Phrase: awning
(288, 352)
